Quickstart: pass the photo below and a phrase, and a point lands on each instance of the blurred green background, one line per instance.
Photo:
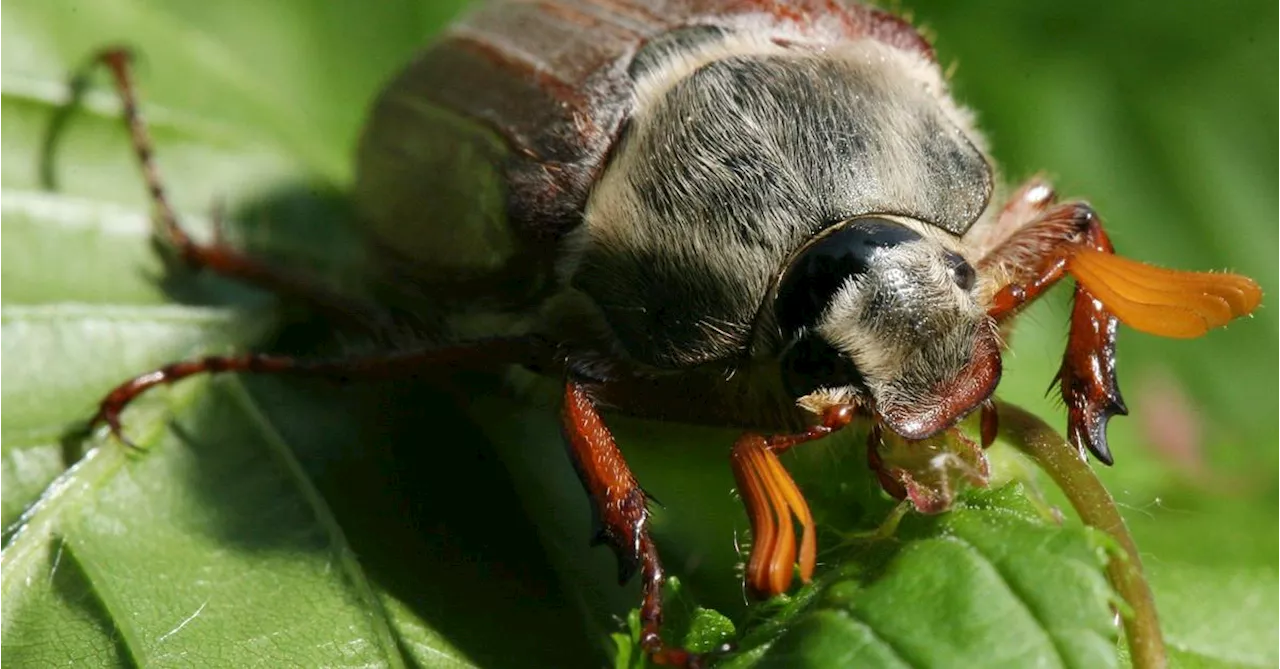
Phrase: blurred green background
(1164, 118)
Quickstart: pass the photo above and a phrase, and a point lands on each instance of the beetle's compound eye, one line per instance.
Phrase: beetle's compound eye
(811, 363)
(961, 271)
(821, 269)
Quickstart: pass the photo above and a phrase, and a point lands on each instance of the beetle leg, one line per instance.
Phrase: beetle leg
(1068, 238)
(772, 498)
(216, 257)
(1032, 260)
(621, 507)
(395, 365)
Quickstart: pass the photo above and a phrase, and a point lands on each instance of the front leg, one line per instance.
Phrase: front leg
(622, 511)
(1069, 238)
(1034, 259)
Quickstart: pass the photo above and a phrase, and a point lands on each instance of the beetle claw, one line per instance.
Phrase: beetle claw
(628, 560)
(624, 540)
(1088, 376)
(109, 415)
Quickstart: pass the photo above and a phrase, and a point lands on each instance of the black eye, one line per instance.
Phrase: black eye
(816, 275)
(961, 271)
(811, 363)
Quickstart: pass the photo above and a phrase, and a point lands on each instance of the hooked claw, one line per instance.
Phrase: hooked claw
(1163, 302)
(109, 414)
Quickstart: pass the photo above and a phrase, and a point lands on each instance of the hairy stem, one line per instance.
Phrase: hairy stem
(1097, 509)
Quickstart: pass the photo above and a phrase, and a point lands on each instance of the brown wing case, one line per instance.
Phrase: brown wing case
(551, 78)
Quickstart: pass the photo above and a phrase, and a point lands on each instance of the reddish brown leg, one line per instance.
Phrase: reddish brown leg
(1034, 259)
(621, 509)
(772, 498)
(216, 257)
(395, 365)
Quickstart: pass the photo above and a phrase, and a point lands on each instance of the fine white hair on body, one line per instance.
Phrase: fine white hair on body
(739, 150)
(906, 324)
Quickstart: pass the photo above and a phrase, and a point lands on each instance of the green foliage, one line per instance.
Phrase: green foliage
(270, 522)
(987, 584)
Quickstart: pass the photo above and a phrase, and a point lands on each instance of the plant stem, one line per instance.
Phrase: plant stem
(1069, 469)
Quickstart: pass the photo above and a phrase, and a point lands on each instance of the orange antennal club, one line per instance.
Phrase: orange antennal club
(1164, 302)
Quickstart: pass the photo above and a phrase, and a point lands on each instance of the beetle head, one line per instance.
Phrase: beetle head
(877, 314)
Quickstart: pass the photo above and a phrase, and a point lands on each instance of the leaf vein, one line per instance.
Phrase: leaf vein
(117, 611)
(383, 629)
(1019, 596)
(893, 648)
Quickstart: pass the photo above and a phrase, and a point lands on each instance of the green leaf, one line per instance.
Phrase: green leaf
(144, 551)
(989, 586)
(991, 583)
(275, 522)
(1218, 617)
(700, 630)
(1170, 132)
(263, 523)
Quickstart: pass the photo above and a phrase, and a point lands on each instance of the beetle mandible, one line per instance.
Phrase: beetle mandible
(762, 215)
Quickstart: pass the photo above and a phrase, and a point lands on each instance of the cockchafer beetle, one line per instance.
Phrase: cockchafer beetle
(762, 215)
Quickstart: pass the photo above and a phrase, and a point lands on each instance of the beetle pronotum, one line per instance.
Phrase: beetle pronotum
(751, 214)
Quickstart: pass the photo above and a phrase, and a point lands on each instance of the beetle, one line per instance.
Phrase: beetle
(762, 215)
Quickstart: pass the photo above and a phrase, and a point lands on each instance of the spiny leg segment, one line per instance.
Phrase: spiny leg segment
(1068, 238)
(621, 509)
